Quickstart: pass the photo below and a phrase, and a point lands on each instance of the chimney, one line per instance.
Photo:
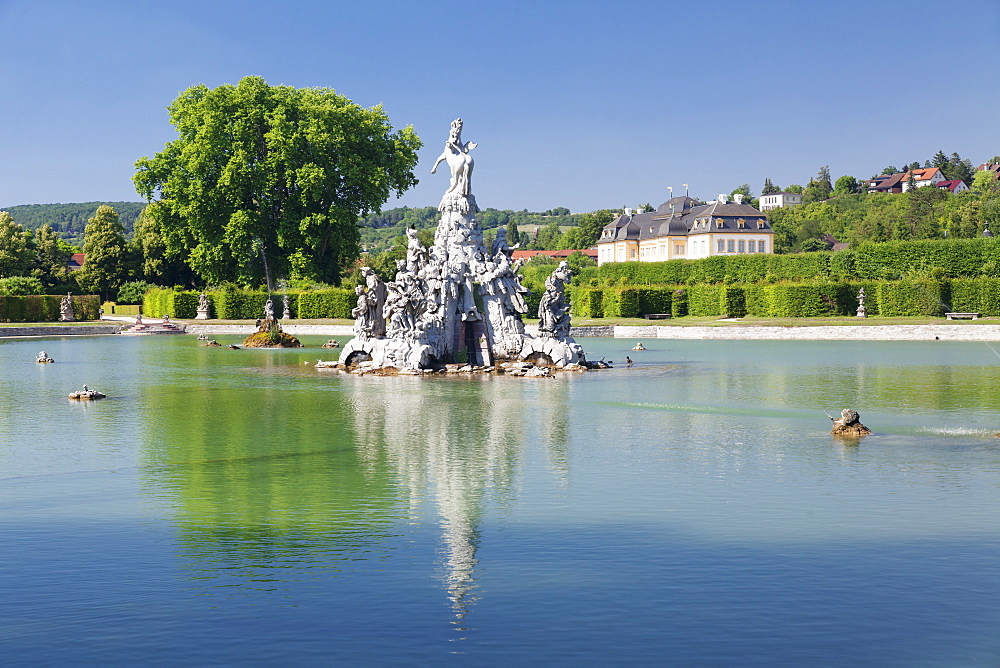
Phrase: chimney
(628, 211)
(722, 198)
(738, 198)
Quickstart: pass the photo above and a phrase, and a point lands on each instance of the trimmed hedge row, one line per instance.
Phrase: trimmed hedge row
(230, 304)
(333, 303)
(952, 258)
(45, 308)
(793, 300)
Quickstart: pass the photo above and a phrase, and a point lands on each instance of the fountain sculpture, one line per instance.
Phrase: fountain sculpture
(269, 333)
(458, 301)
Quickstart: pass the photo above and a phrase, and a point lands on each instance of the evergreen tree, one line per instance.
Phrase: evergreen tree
(769, 188)
(51, 257)
(513, 235)
(107, 258)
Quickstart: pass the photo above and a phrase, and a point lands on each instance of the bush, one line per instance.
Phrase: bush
(133, 292)
(20, 285)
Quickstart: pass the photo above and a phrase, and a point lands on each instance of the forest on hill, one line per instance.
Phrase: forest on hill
(69, 220)
(379, 231)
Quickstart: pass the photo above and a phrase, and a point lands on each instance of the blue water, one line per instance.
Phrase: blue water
(226, 507)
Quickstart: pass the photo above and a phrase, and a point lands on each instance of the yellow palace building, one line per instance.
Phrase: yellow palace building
(682, 229)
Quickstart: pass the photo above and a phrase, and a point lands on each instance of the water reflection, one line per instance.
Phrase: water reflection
(457, 442)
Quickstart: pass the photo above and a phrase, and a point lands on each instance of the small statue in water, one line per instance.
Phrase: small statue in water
(849, 424)
(43, 358)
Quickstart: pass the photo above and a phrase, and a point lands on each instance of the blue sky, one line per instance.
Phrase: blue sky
(578, 104)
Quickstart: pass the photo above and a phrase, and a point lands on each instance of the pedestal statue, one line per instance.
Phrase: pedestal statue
(66, 309)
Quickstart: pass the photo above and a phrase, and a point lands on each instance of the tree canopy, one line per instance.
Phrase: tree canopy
(108, 261)
(269, 181)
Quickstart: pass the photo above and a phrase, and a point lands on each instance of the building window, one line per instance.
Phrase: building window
(730, 246)
(722, 246)
(762, 246)
(743, 246)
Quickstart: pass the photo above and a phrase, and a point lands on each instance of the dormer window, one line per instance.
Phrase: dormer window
(741, 224)
(718, 223)
(760, 224)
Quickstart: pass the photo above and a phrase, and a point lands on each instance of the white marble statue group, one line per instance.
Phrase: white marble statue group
(458, 300)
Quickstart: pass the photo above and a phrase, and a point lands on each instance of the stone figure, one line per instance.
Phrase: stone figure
(202, 313)
(376, 291)
(362, 315)
(66, 309)
(456, 154)
(511, 283)
(268, 310)
(861, 304)
(553, 311)
(500, 244)
(286, 313)
(138, 318)
(848, 424)
(416, 254)
(43, 358)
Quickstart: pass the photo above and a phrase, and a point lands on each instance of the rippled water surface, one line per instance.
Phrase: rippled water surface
(238, 506)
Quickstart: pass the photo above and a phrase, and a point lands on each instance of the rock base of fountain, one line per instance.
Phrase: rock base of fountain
(848, 424)
(269, 333)
(270, 340)
(86, 394)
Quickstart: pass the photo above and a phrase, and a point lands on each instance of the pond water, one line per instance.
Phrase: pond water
(239, 506)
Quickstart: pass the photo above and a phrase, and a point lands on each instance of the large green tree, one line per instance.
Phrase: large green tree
(107, 262)
(269, 181)
(16, 252)
(591, 225)
(52, 254)
(15, 247)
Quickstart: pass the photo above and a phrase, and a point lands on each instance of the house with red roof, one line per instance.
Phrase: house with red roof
(555, 255)
(955, 185)
(900, 183)
(75, 261)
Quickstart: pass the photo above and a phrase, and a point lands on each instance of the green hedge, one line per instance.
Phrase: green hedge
(235, 304)
(679, 303)
(976, 295)
(114, 308)
(954, 258)
(587, 302)
(45, 308)
(333, 303)
(917, 297)
(704, 299)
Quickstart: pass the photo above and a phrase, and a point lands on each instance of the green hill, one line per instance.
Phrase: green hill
(68, 220)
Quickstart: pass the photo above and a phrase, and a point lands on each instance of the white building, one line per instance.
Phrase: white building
(776, 200)
(679, 229)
